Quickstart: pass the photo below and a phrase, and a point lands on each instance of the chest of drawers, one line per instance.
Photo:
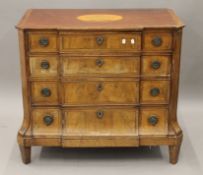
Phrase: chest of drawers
(100, 78)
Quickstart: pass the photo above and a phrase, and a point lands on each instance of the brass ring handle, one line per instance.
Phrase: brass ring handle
(46, 92)
(100, 114)
(153, 120)
(157, 41)
(99, 62)
(100, 40)
(155, 64)
(100, 87)
(45, 65)
(48, 119)
(154, 92)
(43, 42)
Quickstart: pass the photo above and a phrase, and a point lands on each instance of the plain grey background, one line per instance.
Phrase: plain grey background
(145, 161)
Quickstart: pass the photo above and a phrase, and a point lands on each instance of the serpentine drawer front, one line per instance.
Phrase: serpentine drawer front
(100, 78)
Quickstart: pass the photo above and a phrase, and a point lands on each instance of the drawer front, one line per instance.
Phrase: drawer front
(44, 67)
(153, 121)
(44, 93)
(100, 40)
(156, 40)
(100, 92)
(155, 92)
(98, 66)
(46, 122)
(156, 65)
(100, 122)
(43, 41)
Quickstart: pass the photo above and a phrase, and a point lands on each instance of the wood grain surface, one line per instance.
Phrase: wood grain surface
(90, 83)
(67, 19)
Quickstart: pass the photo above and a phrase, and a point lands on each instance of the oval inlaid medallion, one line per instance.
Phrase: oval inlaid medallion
(100, 18)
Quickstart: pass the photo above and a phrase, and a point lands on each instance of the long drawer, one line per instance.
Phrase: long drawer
(101, 91)
(99, 122)
(100, 40)
(51, 41)
(89, 122)
(101, 66)
(49, 66)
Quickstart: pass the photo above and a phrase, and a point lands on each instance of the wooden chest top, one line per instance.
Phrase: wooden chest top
(99, 19)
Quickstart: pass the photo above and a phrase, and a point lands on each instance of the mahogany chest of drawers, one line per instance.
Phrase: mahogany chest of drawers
(100, 78)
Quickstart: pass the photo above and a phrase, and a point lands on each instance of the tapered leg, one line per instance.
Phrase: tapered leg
(174, 150)
(25, 154)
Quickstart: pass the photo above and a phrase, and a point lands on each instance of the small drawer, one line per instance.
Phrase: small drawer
(43, 41)
(100, 40)
(156, 65)
(101, 66)
(157, 40)
(153, 121)
(93, 92)
(100, 122)
(44, 93)
(44, 67)
(46, 122)
(155, 92)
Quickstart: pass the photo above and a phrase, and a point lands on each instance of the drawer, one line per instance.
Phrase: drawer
(46, 122)
(100, 40)
(43, 41)
(44, 93)
(157, 40)
(153, 121)
(81, 92)
(155, 91)
(156, 65)
(100, 122)
(101, 66)
(44, 67)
